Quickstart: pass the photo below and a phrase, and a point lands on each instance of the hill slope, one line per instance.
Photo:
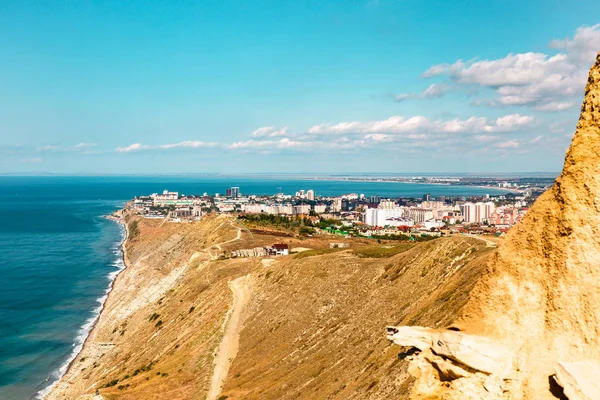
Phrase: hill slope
(303, 326)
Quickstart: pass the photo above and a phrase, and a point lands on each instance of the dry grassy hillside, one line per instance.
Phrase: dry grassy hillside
(156, 336)
(308, 325)
(315, 326)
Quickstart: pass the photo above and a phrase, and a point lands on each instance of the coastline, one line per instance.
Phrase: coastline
(90, 325)
(421, 183)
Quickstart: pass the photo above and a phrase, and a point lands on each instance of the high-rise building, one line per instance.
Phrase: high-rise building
(420, 214)
(319, 208)
(375, 199)
(426, 197)
(233, 192)
(310, 194)
(477, 212)
(336, 206)
(386, 204)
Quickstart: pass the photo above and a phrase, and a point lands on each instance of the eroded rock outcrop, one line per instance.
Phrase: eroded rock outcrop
(541, 295)
(579, 380)
(467, 352)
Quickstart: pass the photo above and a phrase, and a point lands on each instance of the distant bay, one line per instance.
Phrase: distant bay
(58, 255)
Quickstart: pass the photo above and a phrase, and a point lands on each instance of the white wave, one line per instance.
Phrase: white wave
(86, 328)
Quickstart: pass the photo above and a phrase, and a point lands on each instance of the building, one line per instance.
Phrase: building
(399, 221)
(301, 209)
(477, 213)
(427, 197)
(420, 214)
(165, 198)
(336, 206)
(386, 204)
(233, 192)
(319, 208)
(280, 249)
(339, 245)
(310, 194)
(253, 208)
(432, 204)
(379, 216)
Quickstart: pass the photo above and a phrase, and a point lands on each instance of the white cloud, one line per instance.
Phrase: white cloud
(434, 91)
(555, 106)
(284, 143)
(84, 148)
(584, 45)
(509, 144)
(192, 144)
(486, 138)
(132, 147)
(269, 131)
(421, 125)
(545, 82)
(536, 139)
(379, 137)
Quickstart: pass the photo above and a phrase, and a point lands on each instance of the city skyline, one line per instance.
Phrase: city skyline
(355, 87)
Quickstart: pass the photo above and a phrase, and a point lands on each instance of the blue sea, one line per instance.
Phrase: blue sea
(58, 256)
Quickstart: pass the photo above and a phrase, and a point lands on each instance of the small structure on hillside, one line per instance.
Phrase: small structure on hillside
(274, 250)
(280, 249)
(339, 245)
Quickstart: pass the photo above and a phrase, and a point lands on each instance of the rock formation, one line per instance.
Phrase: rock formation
(540, 297)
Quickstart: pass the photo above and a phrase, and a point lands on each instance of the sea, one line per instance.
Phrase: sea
(59, 256)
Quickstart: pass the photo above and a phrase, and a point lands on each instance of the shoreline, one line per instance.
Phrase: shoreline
(420, 183)
(64, 369)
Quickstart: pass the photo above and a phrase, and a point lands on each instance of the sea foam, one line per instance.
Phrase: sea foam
(86, 328)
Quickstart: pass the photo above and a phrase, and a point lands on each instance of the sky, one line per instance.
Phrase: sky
(340, 86)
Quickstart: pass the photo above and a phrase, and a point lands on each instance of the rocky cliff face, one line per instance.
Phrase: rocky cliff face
(540, 298)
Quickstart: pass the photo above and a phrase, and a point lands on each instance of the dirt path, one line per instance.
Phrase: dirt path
(229, 344)
(488, 243)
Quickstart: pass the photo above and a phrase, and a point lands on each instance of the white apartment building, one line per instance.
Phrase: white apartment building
(432, 204)
(253, 208)
(301, 209)
(420, 214)
(477, 212)
(399, 221)
(310, 194)
(336, 206)
(387, 204)
(379, 216)
(165, 198)
(319, 208)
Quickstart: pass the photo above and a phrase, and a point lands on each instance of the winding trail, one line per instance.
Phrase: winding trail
(231, 339)
(488, 243)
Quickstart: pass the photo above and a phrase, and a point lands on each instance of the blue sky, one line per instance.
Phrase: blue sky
(290, 86)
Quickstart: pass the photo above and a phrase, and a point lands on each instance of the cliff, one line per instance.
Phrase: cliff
(539, 300)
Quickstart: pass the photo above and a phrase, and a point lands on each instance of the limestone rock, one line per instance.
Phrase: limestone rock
(579, 380)
(475, 352)
(411, 336)
(466, 351)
